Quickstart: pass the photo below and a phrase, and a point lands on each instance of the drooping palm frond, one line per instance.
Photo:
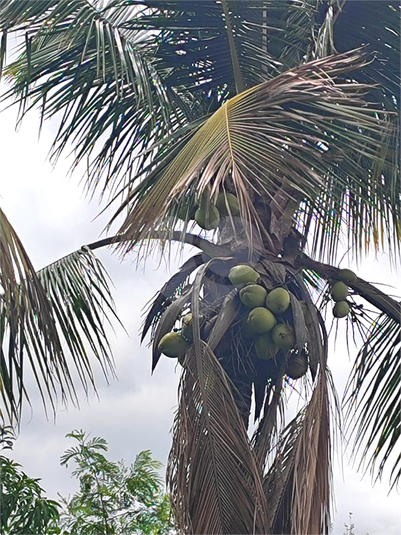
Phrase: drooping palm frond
(46, 315)
(77, 287)
(288, 120)
(26, 320)
(212, 474)
(298, 480)
(373, 398)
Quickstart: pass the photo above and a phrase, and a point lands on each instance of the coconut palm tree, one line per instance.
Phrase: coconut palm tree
(284, 115)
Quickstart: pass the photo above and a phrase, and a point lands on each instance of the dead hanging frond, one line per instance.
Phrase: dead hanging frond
(212, 474)
(312, 465)
(278, 483)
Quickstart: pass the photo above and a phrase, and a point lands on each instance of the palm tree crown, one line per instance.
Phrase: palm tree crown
(290, 109)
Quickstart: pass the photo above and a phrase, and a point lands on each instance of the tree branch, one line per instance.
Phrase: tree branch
(366, 290)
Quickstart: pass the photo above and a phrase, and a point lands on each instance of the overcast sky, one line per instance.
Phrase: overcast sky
(53, 218)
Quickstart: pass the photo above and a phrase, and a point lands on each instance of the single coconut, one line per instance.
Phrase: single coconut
(227, 203)
(265, 347)
(186, 212)
(242, 274)
(253, 295)
(339, 291)
(346, 275)
(341, 309)
(297, 365)
(278, 300)
(283, 336)
(186, 330)
(173, 344)
(208, 217)
(261, 320)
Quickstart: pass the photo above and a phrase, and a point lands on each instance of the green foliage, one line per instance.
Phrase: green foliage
(23, 507)
(113, 498)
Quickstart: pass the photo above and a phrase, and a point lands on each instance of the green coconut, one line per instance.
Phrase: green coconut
(341, 309)
(278, 300)
(346, 275)
(283, 336)
(261, 320)
(297, 365)
(265, 347)
(173, 344)
(339, 291)
(186, 330)
(242, 274)
(227, 203)
(208, 217)
(253, 295)
(186, 212)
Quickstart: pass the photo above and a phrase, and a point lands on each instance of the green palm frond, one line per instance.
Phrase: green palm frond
(77, 287)
(46, 315)
(204, 43)
(376, 24)
(270, 138)
(26, 322)
(373, 398)
(82, 61)
(136, 70)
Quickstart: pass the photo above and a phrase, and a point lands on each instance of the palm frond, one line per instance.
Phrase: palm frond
(77, 287)
(212, 474)
(373, 398)
(26, 319)
(135, 70)
(312, 467)
(287, 119)
(83, 61)
(207, 45)
(42, 314)
(278, 483)
(377, 25)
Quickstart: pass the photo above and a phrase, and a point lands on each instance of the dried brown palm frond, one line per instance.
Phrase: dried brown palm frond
(312, 464)
(279, 480)
(212, 474)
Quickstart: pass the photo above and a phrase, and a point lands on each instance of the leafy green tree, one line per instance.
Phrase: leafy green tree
(113, 498)
(24, 510)
(292, 106)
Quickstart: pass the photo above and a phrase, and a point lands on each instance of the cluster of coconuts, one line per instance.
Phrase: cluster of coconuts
(175, 343)
(207, 215)
(339, 292)
(263, 322)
